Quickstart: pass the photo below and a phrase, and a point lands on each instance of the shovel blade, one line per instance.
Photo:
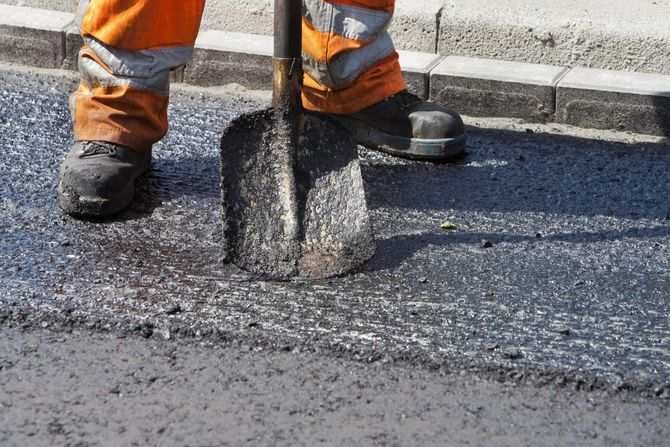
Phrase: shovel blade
(321, 229)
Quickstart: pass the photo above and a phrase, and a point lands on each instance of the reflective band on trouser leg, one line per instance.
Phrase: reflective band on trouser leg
(130, 48)
(349, 59)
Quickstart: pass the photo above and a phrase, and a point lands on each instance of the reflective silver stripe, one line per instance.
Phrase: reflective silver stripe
(147, 70)
(94, 75)
(143, 63)
(351, 22)
(348, 66)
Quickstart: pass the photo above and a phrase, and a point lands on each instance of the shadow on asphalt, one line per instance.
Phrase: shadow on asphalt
(392, 252)
(544, 173)
(547, 173)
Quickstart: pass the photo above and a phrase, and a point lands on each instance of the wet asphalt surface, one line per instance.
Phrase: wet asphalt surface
(558, 269)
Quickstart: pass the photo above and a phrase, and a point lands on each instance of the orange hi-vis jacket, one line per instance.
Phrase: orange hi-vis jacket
(130, 46)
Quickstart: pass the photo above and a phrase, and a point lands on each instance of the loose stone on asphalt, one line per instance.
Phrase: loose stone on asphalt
(598, 199)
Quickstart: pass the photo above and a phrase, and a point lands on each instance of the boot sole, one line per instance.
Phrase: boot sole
(439, 149)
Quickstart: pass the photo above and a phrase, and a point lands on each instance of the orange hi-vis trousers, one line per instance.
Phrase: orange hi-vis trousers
(130, 46)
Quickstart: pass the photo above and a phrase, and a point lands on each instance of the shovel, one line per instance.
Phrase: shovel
(293, 199)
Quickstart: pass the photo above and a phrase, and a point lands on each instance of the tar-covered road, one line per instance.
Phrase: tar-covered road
(87, 388)
(559, 266)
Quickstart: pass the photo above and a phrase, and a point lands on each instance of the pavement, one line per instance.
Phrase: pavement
(605, 34)
(554, 282)
(484, 86)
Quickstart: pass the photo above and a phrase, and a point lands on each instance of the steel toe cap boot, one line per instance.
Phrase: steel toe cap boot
(97, 178)
(406, 126)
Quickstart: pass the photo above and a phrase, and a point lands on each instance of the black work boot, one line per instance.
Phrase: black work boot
(97, 178)
(406, 126)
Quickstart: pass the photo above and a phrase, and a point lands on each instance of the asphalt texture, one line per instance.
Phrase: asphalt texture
(555, 274)
(103, 389)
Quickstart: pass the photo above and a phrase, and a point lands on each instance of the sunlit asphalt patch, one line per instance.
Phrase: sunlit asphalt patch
(576, 275)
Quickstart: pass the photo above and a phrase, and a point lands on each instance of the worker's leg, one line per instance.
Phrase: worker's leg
(120, 108)
(350, 61)
(352, 71)
(130, 48)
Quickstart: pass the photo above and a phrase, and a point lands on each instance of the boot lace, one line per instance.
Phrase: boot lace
(405, 99)
(93, 148)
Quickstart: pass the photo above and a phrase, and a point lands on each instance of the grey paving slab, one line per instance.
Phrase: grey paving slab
(33, 36)
(416, 67)
(605, 99)
(225, 57)
(486, 87)
(575, 278)
(606, 34)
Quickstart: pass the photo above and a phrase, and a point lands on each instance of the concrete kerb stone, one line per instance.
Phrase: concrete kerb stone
(223, 57)
(604, 99)
(416, 68)
(34, 37)
(606, 34)
(414, 26)
(73, 43)
(485, 87)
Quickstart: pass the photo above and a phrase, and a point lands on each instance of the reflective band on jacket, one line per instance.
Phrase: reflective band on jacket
(348, 66)
(341, 40)
(352, 22)
(145, 70)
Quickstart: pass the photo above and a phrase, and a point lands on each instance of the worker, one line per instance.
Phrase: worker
(119, 110)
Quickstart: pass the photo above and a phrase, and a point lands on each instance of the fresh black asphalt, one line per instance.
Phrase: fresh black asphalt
(558, 266)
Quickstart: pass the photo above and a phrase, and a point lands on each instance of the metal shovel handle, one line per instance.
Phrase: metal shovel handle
(287, 59)
(287, 117)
